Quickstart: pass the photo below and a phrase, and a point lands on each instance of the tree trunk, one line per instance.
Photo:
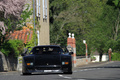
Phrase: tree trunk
(116, 26)
(100, 56)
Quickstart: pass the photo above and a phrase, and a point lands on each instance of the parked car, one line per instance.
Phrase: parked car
(47, 58)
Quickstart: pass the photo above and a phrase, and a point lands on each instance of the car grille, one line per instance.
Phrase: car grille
(48, 67)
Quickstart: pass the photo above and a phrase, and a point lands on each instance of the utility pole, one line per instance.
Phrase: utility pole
(34, 18)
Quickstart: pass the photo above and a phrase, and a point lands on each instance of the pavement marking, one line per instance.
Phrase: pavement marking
(65, 76)
(60, 75)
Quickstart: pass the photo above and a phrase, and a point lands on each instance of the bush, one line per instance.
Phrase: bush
(115, 56)
(92, 57)
(14, 47)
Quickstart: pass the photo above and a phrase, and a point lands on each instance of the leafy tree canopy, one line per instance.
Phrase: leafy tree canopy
(10, 9)
(97, 21)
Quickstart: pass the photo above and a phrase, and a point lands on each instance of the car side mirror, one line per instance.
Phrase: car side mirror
(70, 53)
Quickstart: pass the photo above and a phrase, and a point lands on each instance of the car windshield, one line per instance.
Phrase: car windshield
(47, 50)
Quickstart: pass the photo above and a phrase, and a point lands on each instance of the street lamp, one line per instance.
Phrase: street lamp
(84, 41)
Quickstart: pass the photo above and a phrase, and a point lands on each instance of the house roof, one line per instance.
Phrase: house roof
(25, 35)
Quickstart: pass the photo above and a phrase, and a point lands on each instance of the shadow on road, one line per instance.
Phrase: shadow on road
(41, 74)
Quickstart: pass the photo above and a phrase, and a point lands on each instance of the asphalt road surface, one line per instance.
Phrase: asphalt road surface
(96, 71)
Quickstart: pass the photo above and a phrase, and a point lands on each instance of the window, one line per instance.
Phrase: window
(45, 9)
(38, 8)
(47, 50)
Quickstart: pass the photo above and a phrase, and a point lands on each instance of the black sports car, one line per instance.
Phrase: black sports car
(48, 58)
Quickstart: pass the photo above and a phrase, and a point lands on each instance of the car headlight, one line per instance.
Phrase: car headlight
(30, 64)
(65, 63)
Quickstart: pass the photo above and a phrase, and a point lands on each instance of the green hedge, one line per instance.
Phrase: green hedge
(115, 56)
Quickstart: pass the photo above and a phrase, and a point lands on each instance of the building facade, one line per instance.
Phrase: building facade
(42, 15)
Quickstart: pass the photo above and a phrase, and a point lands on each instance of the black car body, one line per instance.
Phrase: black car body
(49, 58)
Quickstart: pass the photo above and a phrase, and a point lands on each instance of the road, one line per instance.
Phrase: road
(96, 71)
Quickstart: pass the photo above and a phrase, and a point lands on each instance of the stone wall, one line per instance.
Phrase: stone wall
(11, 63)
(3, 63)
(19, 65)
(7, 63)
(82, 61)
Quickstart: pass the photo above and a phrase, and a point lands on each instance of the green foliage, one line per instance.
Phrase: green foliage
(25, 15)
(15, 47)
(12, 47)
(33, 42)
(92, 57)
(13, 23)
(77, 17)
(116, 3)
(96, 21)
(115, 56)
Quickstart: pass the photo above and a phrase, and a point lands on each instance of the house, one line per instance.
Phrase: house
(105, 57)
(97, 57)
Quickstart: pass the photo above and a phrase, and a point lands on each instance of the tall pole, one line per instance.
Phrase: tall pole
(84, 41)
(86, 53)
(34, 18)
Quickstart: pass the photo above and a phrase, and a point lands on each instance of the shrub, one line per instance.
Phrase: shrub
(115, 56)
(14, 47)
(92, 57)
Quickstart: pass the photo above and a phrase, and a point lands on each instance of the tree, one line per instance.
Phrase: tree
(97, 21)
(10, 9)
(76, 17)
(13, 17)
(116, 5)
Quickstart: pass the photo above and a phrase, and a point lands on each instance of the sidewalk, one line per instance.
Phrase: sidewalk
(10, 73)
(94, 64)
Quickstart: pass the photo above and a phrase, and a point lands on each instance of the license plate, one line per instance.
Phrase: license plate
(47, 70)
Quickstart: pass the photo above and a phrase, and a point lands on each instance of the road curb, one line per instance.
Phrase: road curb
(94, 64)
